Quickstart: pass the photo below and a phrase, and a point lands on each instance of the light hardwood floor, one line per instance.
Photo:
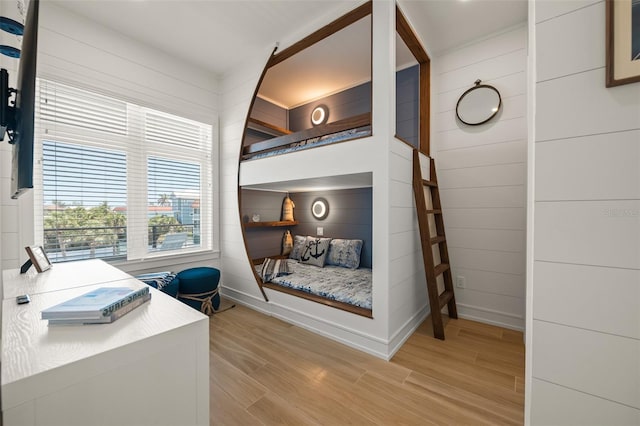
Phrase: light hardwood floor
(265, 371)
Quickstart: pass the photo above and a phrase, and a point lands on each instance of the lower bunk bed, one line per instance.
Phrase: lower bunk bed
(341, 287)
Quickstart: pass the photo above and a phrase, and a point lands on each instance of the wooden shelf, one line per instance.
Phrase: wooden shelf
(274, 224)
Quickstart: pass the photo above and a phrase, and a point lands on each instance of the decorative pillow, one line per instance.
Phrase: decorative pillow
(345, 253)
(166, 282)
(298, 247)
(315, 251)
(272, 268)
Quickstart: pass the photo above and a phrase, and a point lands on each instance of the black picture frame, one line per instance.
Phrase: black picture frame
(38, 258)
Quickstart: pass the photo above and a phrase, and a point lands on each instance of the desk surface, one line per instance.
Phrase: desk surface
(30, 347)
(60, 277)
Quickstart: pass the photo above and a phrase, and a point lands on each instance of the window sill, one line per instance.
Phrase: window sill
(167, 261)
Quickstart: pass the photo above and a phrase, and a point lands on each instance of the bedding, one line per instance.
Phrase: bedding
(352, 286)
(317, 141)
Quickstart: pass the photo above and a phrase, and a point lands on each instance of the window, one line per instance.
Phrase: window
(117, 180)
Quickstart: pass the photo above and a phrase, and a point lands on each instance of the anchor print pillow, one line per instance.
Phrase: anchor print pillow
(315, 251)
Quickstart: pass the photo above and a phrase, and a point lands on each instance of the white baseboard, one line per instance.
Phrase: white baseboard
(356, 339)
(490, 316)
(403, 334)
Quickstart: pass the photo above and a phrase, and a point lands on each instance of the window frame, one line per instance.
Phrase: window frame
(137, 154)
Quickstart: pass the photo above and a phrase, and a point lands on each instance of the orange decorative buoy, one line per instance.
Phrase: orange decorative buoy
(287, 209)
(287, 242)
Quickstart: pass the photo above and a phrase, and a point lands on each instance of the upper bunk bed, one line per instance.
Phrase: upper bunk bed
(315, 93)
(347, 129)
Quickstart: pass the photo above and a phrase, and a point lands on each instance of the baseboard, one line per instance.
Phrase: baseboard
(326, 328)
(247, 300)
(492, 317)
(345, 335)
(402, 335)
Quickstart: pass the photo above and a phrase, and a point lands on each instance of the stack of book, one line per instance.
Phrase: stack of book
(101, 306)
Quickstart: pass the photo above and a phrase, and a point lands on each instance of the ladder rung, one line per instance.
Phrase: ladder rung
(429, 183)
(433, 211)
(444, 298)
(441, 268)
(438, 239)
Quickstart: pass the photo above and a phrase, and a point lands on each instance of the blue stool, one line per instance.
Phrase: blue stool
(199, 289)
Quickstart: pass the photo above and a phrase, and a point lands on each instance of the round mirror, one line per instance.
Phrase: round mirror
(319, 115)
(479, 104)
(320, 208)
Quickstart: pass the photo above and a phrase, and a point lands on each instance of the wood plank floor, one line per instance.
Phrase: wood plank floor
(265, 371)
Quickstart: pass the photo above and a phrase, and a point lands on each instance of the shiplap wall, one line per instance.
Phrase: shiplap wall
(341, 105)
(407, 108)
(78, 51)
(586, 277)
(349, 217)
(482, 177)
(408, 292)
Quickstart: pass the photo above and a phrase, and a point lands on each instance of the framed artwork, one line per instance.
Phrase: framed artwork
(38, 257)
(623, 42)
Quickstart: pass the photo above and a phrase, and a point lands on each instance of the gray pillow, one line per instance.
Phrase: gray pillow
(298, 247)
(315, 251)
(345, 253)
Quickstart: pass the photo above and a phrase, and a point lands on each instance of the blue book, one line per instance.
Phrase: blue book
(104, 320)
(95, 304)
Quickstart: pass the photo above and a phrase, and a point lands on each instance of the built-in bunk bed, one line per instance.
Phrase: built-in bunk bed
(335, 268)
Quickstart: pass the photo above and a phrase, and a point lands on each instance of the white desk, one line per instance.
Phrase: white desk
(61, 276)
(149, 367)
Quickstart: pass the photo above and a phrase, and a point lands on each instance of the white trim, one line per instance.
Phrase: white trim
(402, 335)
(350, 337)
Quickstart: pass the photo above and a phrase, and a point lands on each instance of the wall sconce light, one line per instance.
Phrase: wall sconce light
(320, 208)
(319, 115)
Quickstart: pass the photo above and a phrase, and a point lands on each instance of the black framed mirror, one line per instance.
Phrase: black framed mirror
(478, 104)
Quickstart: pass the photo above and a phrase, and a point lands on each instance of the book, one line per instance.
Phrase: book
(95, 304)
(105, 319)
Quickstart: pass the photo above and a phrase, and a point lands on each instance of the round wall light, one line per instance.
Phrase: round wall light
(319, 115)
(320, 208)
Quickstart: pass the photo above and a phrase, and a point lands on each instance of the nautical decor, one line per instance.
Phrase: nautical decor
(287, 209)
(287, 242)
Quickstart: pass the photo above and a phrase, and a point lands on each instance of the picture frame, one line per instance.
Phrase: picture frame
(38, 258)
(622, 42)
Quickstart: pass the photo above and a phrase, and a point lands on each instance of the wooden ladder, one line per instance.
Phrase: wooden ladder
(432, 271)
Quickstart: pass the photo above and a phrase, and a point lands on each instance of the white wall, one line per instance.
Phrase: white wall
(482, 176)
(586, 276)
(75, 50)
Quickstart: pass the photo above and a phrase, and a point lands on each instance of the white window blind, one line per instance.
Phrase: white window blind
(118, 180)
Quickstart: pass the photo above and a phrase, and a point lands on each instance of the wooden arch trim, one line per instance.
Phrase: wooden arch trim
(406, 33)
(324, 32)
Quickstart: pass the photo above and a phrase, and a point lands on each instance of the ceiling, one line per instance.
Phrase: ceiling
(219, 35)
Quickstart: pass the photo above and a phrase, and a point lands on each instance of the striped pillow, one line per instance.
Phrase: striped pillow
(272, 268)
